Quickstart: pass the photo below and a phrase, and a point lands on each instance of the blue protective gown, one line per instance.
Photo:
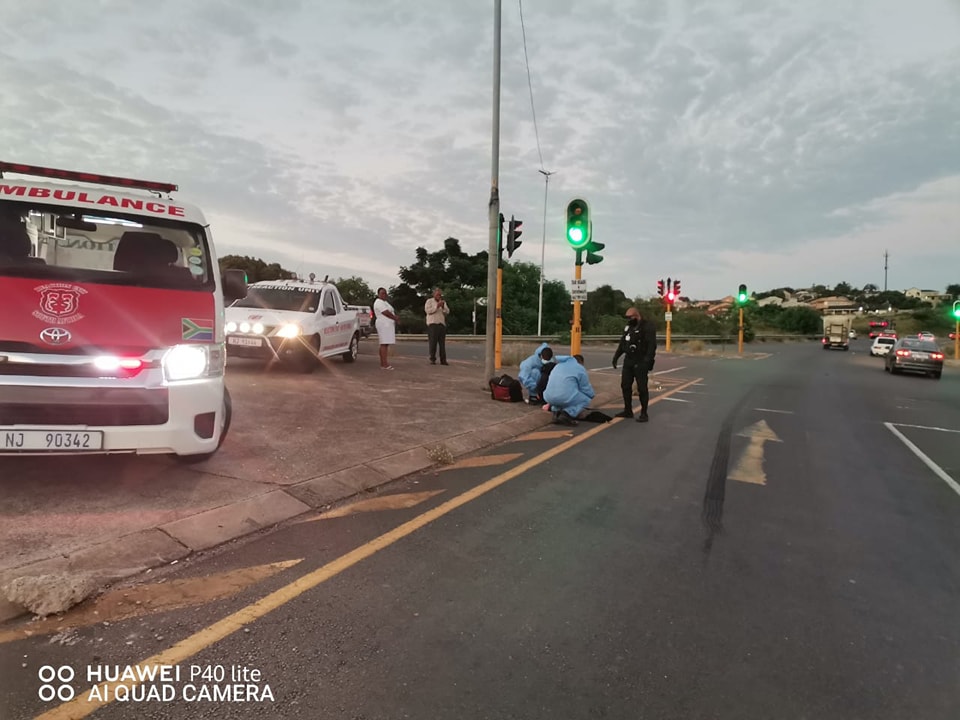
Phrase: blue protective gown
(530, 369)
(569, 388)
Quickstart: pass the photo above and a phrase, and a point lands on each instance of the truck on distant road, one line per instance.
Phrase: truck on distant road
(836, 331)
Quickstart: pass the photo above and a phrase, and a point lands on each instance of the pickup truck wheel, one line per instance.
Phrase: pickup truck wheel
(226, 416)
(351, 354)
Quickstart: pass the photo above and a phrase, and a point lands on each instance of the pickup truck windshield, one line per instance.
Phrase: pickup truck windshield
(295, 299)
(61, 244)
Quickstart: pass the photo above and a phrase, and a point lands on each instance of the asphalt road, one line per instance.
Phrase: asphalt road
(779, 541)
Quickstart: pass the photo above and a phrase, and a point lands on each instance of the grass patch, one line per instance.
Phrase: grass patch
(440, 454)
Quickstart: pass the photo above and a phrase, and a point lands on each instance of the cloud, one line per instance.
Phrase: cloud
(715, 140)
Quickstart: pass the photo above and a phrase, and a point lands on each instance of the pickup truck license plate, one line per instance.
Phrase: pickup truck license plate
(249, 342)
(52, 440)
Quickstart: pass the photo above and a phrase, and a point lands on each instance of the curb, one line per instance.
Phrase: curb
(132, 554)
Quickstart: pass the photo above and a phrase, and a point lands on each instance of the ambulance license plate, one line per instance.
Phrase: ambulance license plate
(249, 342)
(52, 440)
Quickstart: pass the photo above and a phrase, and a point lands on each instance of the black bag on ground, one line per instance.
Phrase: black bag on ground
(506, 389)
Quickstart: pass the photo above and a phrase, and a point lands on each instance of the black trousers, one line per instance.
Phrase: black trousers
(437, 336)
(634, 371)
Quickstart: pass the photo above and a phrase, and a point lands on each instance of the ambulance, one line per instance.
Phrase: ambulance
(112, 327)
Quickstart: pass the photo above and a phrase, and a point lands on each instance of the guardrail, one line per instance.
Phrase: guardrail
(412, 337)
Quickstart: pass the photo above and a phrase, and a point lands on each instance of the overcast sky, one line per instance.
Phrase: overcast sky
(771, 142)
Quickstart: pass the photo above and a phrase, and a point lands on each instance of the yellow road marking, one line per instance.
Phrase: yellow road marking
(79, 707)
(547, 435)
(398, 501)
(749, 468)
(126, 603)
(480, 461)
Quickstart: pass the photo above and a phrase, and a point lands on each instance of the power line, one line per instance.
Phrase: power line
(533, 109)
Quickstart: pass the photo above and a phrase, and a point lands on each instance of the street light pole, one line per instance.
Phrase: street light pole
(493, 249)
(543, 249)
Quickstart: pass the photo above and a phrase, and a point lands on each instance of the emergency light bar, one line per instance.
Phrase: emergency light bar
(38, 171)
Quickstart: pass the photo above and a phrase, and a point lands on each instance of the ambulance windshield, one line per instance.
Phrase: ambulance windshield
(61, 244)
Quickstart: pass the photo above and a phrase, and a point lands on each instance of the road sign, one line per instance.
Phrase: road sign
(578, 295)
(668, 316)
(577, 284)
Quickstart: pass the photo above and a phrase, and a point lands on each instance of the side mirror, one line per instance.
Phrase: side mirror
(234, 284)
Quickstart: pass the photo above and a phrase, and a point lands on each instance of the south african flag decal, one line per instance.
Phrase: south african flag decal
(199, 330)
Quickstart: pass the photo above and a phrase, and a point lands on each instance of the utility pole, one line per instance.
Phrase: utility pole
(493, 249)
(886, 257)
(543, 249)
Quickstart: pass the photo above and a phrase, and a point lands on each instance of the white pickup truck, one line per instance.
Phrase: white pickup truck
(292, 322)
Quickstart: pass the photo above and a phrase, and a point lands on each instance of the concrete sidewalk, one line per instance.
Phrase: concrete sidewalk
(298, 443)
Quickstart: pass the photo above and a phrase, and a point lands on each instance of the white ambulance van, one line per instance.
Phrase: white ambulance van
(112, 330)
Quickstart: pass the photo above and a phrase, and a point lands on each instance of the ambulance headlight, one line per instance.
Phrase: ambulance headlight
(258, 328)
(244, 327)
(185, 362)
(290, 330)
(231, 327)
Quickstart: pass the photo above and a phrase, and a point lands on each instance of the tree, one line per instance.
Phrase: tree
(844, 289)
(953, 290)
(870, 289)
(355, 290)
(602, 303)
(256, 268)
(521, 290)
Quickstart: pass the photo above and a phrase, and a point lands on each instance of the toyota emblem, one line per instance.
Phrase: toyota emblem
(55, 336)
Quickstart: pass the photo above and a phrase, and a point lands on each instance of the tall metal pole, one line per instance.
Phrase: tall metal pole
(886, 258)
(493, 254)
(543, 249)
(740, 333)
(575, 334)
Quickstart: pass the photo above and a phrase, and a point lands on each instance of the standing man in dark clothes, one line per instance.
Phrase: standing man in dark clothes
(639, 346)
(437, 310)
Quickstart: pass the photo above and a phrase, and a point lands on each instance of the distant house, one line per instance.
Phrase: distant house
(931, 296)
(771, 300)
(835, 305)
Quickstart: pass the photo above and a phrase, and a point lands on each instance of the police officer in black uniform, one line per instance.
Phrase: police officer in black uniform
(638, 345)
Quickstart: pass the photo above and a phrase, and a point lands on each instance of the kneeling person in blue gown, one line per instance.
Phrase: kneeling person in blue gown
(569, 391)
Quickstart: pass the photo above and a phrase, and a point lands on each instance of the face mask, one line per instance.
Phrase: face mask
(633, 322)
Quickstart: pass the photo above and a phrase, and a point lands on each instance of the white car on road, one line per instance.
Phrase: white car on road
(881, 346)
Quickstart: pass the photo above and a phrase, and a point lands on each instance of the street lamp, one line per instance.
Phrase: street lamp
(543, 247)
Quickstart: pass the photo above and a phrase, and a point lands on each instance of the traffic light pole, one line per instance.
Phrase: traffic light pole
(956, 341)
(740, 333)
(498, 345)
(670, 313)
(575, 330)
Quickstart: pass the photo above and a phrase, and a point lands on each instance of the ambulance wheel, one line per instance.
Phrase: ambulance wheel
(351, 354)
(226, 418)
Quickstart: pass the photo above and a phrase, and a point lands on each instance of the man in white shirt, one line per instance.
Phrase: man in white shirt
(437, 311)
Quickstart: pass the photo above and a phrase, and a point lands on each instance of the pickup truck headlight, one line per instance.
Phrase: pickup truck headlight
(290, 330)
(189, 362)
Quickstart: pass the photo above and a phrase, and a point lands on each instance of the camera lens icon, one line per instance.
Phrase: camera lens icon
(55, 683)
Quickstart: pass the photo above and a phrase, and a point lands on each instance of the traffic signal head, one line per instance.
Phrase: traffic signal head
(956, 309)
(660, 288)
(671, 296)
(513, 232)
(676, 288)
(592, 249)
(742, 294)
(578, 224)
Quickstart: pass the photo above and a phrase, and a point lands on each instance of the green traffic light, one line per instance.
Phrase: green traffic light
(956, 309)
(743, 298)
(578, 224)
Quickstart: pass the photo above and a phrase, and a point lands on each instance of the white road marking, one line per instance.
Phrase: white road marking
(658, 372)
(925, 427)
(782, 412)
(937, 470)
(664, 372)
(673, 399)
